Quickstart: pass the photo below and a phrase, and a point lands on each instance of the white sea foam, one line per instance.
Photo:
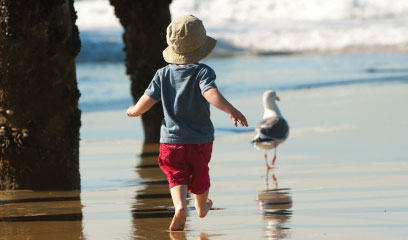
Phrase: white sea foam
(96, 15)
(239, 11)
(281, 25)
(302, 25)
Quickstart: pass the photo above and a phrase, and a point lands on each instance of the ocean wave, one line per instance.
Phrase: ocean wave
(96, 14)
(103, 45)
(282, 87)
(279, 26)
(247, 11)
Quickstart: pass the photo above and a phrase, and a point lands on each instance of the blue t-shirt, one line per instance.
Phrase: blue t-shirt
(186, 112)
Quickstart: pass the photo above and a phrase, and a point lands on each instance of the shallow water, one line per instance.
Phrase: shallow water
(341, 175)
(240, 77)
(237, 78)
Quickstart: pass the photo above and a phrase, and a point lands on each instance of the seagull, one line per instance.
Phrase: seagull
(273, 129)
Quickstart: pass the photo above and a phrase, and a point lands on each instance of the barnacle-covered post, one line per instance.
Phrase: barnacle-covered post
(39, 116)
(145, 24)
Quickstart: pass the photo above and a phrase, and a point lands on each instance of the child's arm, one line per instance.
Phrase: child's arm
(144, 104)
(214, 97)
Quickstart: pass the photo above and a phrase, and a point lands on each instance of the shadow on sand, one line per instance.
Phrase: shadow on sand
(40, 215)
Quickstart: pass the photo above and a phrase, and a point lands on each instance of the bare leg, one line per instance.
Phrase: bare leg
(179, 195)
(266, 160)
(202, 204)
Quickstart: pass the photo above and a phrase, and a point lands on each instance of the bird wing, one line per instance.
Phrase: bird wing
(272, 128)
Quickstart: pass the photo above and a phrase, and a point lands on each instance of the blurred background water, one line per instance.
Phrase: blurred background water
(282, 45)
(267, 26)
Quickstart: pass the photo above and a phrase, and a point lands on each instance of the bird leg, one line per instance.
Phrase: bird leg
(266, 160)
(274, 159)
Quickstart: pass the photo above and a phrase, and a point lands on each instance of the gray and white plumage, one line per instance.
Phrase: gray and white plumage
(273, 129)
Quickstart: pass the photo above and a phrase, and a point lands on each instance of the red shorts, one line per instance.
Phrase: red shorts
(186, 164)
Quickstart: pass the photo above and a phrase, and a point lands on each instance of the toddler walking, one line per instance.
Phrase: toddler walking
(186, 88)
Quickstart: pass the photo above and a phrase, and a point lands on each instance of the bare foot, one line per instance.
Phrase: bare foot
(179, 219)
(209, 204)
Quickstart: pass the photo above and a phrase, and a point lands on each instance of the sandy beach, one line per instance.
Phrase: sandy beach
(342, 174)
(339, 68)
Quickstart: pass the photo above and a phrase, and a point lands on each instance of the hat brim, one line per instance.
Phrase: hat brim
(191, 57)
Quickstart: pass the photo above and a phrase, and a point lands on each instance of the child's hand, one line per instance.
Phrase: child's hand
(143, 105)
(236, 116)
(214, 97)
(130, 111)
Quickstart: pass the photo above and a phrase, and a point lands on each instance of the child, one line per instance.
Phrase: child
(186, 87)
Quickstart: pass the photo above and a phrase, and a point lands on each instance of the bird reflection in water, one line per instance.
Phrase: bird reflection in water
(275, 204)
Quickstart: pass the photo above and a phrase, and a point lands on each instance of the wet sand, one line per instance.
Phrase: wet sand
(342, 174)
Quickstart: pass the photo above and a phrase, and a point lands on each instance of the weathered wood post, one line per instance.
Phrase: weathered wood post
(39, 115)
(145, 24)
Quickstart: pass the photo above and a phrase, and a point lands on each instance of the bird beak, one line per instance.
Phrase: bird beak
(277, 98)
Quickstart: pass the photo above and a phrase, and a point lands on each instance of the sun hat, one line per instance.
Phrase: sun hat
(187, 41)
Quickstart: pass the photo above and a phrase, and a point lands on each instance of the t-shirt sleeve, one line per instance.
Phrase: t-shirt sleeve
(207, 79)
(154, 88)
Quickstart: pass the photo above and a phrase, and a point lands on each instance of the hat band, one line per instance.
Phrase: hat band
(182, 48)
